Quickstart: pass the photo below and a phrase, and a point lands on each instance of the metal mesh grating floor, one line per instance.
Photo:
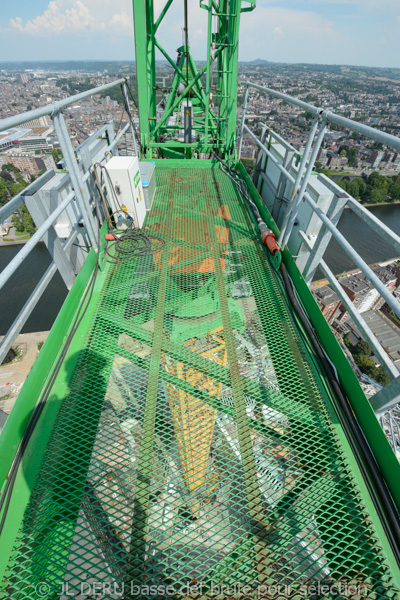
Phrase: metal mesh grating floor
(196, 449)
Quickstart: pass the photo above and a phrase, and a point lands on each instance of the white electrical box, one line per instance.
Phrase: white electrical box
(124, 190)
(63, 230)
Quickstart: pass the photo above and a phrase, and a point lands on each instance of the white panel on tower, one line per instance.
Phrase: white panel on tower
(124, 189)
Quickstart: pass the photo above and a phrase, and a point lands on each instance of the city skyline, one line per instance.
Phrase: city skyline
(305, 31)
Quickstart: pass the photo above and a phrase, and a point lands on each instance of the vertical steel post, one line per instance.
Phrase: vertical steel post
(281, 187)
(260, 160)
(233, 9)
(125, 93)
(187, 122)
(142, 71)
(294, 205)
(75, 174)
(208, 75)
(246, 98)
(324, 236)
(40, 209)
(302, 165)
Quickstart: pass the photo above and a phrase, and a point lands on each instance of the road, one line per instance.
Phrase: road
(13, 375)
(11, 235)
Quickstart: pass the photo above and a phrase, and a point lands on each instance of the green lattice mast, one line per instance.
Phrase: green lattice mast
(211, 91)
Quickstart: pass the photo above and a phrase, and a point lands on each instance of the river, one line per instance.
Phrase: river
(12, 297)
(365, 241)
(21, 284)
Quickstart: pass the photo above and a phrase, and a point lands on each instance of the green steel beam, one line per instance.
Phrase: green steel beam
(28, 397)
(162, 15)
(177, 68)
(144, 85)
(217, 132)
(181, 97)
(208, 71)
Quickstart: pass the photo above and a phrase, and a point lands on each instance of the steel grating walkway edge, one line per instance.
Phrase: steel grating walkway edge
(196, 446)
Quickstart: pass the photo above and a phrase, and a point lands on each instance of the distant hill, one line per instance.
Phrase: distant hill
(257, 61)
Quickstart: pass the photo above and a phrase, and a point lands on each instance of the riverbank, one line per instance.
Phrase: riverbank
(372, 204)
(369, 204)
(4, 243)
(13, 238)
(13, 374)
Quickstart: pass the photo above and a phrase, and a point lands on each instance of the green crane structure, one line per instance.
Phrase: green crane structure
(212, 90)
(191, 428)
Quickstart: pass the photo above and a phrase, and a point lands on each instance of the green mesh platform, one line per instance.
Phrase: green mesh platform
(196, 447)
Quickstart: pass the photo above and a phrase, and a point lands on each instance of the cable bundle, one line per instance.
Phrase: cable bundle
(130, 242)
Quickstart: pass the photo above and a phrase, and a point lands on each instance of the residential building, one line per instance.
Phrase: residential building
(362, 293)
(328, 302)
(39, 122)
(22, 77)
(28, 163)
(375, 158)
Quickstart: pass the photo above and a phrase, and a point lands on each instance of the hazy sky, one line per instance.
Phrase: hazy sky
(355, 32)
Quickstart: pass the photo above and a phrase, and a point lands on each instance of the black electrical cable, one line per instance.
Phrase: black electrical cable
(131, 243)
(187, 48)
(130, 114)
(83, 247)
(369, 467)
(128, 111)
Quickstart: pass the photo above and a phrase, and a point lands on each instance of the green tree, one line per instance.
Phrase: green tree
(11, 168)
(353, 189)
(347, 342)
(56, 154)
(29, 225)
(375, 180)
(362, 348)
(18, 187)
(394, 191)
(381, 376)
(3, 192)
(378, 195)
(366, 364)
(6, 176)
(362, 186)
(352, 155)
(308, 115)
(18, 221)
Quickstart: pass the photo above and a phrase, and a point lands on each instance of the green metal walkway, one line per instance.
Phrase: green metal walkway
(195, 445)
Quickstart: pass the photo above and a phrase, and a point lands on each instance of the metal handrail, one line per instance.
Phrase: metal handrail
(393, 303)
(54, 107)
(331, 117)
(300, 180)
(79, 193)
